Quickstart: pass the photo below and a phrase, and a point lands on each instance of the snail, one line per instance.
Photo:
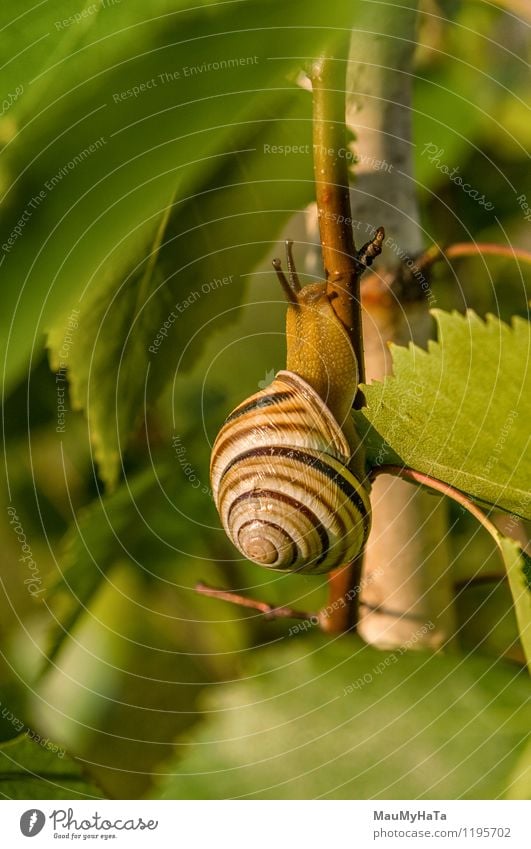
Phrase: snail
(287, 467)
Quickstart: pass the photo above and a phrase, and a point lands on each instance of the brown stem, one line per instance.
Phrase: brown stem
(435, 254)
(341, 612)
(469, 249)
(268, 610)
(333, 200)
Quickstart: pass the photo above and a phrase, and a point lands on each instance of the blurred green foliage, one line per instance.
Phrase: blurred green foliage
(123, 198)
(36, 768)
(273, 737)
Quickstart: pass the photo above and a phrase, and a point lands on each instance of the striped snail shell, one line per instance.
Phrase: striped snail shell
(282, 483)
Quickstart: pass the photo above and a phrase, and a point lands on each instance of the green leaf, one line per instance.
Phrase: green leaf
(340, 720)
(486, 619)
(460, 411)
(136, 330)
(121, 668)
(115, 112)
(518, 566)
(147, 527)
(41, 770)
(90, 549)
(519, 787)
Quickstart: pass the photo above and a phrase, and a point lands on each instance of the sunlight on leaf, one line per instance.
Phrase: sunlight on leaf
(460, 411)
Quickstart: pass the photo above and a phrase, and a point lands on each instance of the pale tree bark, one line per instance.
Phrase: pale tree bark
(407, 561)
(406, 580)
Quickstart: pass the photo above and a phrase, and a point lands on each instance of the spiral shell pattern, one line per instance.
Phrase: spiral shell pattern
(281, 481)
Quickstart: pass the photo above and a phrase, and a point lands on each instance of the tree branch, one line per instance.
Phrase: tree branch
(406, 560)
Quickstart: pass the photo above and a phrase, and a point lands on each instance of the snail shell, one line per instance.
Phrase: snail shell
(282, 483)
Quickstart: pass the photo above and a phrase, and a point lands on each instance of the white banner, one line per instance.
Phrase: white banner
(266, 824)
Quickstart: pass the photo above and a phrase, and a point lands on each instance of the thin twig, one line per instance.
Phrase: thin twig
(404, 283)
(323, 619)
(470, 248)
(268, 610)
(446, 489)
(435, 254)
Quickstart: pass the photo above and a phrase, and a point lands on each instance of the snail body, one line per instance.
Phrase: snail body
(287, 465)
